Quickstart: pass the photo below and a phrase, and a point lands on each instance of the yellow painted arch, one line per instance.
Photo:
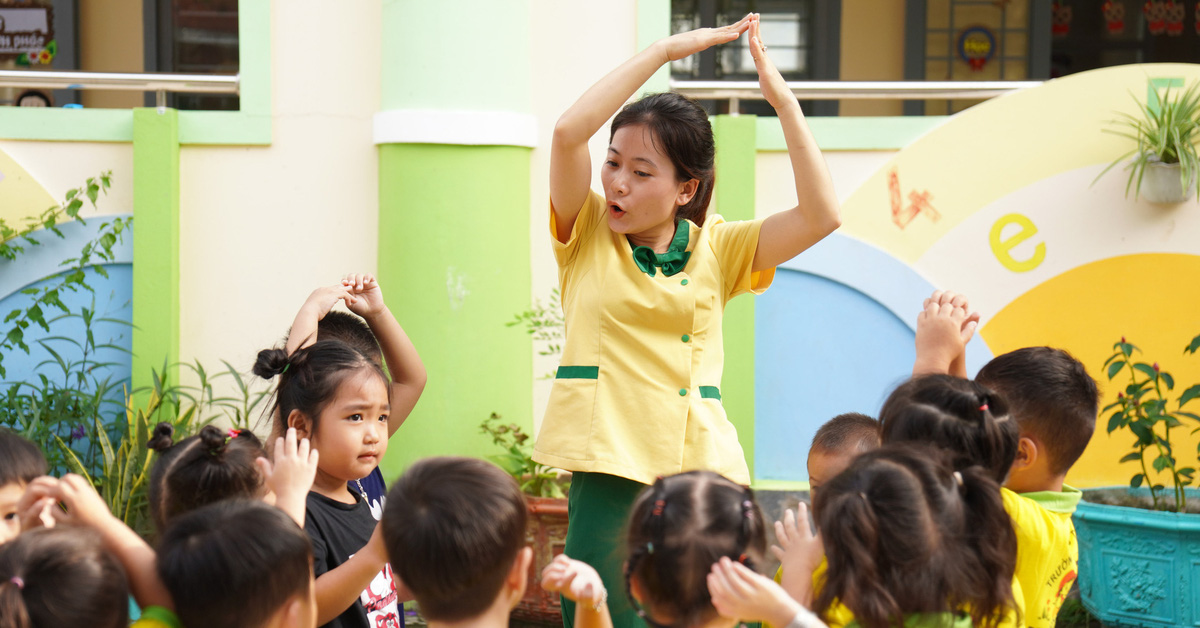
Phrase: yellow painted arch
(20, 194)
(1151, 299)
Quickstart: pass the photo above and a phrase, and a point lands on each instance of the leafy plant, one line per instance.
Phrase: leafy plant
(537, 480)
(1143, 408)
(544, 321)
(1167, 133)
(100, 249)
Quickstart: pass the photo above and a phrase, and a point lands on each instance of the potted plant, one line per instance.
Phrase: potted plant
(1164, 162)
(546, 530)
(1139, 547)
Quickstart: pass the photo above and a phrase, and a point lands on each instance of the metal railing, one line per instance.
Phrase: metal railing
(735, 91)
(159, 83)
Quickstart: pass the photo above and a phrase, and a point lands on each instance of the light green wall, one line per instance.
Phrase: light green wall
(155, 243)
(654, 23)
(733, 198)
(433, 61)
(454, 252)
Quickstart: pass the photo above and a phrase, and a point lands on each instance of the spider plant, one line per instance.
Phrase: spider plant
(1166, 133)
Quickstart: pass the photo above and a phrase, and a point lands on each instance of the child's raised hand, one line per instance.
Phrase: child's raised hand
(368, 296)
(575, 580)
(691, 42)
(35, 509)
(799, 551)
(322, 300)
(739, 593)
(84, 506)
(943, 329)
(291, 476)
(770, 81)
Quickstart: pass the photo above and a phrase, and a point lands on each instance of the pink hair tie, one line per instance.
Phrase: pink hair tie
(17, 581)
(983, 408)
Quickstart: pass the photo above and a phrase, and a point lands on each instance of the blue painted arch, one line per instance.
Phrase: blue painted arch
(834, 334)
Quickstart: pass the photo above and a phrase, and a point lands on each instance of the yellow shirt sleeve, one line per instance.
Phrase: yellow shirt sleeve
(734, 244)
(586, 222)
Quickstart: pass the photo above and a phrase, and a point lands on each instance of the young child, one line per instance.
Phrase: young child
(216, 465)
(912, 541)
(1054, 402)
(459, 524)
(61, 577)
(835, 445)
(20, 462)
(679, 528)
(339, 400)
(369, 326)
(238, 564)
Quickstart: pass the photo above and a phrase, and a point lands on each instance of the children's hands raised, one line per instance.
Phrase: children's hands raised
(35, 509)
(799, 552)
(944, 327)
(686, 44)
(368, 298)
(84, 506)
(770, 81)
(739, 593)
(575, 580)
(291, 476)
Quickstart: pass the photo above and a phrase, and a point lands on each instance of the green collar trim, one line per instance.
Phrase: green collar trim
(1063, 502)
(670, 262)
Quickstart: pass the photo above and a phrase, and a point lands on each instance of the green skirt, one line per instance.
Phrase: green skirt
(598, 507)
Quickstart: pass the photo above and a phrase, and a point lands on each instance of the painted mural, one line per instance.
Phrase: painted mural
(1001, 203)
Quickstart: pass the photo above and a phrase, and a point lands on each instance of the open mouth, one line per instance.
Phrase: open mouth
(616, 210)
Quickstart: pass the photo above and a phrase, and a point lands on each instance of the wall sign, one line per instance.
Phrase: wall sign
(976, 46)
(26, 33)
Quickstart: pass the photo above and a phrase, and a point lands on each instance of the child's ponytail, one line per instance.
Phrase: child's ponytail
(990, 534)
(61, 577)
(13, 613)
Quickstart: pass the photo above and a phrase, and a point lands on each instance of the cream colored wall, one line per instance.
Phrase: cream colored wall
(61, 166)
(773, 188)
(110, 40)
(263, 226)
(872, 50)
(565, 62)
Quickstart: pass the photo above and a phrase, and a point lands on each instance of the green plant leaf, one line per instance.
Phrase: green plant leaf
(1136, 480)
(1167, 379)
(1115, 368)
(1146, 369)
(1115, 421)
(1189, 394)
(1193, 345)
(1131, 457)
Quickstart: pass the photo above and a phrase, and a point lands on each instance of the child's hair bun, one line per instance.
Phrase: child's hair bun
(271, 362)
(213, 439)
(161, 440)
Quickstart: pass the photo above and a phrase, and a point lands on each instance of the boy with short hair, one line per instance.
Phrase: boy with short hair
(838, 442)
(835, 445)
(458, 524)
(1055, 403)
(20, 463)
(239, 564)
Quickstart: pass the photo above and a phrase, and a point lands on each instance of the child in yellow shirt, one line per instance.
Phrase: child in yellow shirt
(1054, 402)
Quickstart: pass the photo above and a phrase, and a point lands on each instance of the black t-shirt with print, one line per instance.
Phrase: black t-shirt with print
(338, 531)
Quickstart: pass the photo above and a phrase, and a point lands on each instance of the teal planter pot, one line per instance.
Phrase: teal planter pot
(1139, 568)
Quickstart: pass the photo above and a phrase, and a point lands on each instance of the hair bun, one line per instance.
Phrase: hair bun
(161, 439)
(213, 439)
(271, 362)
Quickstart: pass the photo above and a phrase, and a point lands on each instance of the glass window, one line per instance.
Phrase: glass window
(198, 37)
(1097, 34)
(788, 27)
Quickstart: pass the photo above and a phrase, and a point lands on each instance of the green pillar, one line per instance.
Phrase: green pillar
(155, 244)
(733, 198)
(455, 137)
(654, 23)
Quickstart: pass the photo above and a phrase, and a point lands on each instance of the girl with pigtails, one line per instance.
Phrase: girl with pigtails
(645, 274)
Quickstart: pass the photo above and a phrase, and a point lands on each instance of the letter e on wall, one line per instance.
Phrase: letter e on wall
(1002, 246)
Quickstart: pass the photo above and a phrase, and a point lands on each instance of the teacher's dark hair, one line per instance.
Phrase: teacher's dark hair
(679, 127)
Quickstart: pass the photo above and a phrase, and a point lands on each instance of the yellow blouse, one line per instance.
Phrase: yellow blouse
(638, 392)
